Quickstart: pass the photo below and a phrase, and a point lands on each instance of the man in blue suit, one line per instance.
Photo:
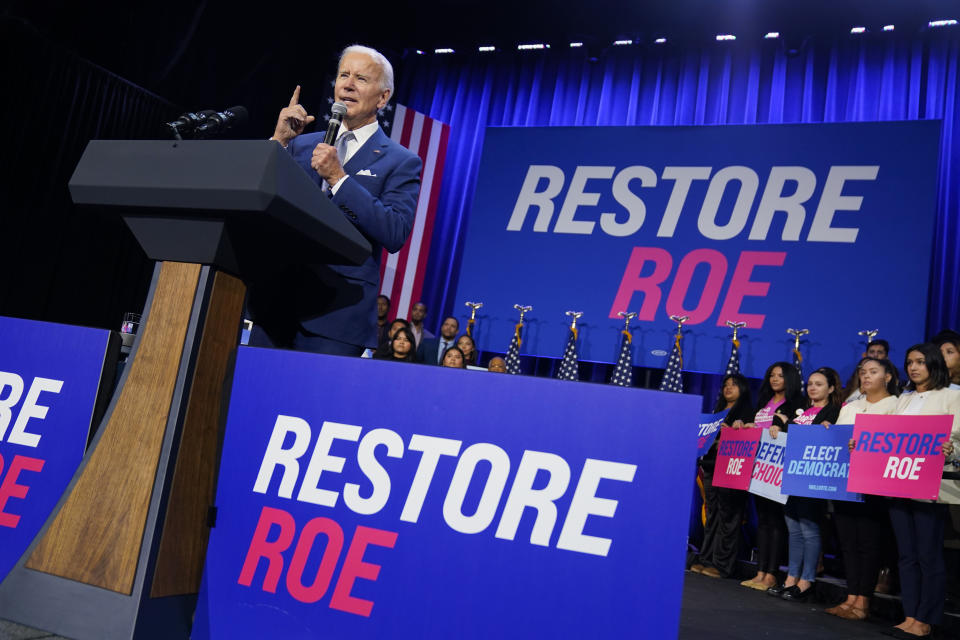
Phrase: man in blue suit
(328, 308)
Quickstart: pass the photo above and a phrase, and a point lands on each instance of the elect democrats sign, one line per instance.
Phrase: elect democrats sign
(370, 499)
(49, 378)
(757, 224)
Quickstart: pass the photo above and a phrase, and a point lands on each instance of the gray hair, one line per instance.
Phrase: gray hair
(386, 69)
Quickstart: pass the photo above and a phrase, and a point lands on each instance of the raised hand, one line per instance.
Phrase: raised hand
(292, 120)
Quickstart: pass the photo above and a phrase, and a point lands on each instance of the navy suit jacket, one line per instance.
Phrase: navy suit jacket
(428, 351)
(379, 197)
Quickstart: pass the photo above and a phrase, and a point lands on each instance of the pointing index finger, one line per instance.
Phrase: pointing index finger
(295, 99)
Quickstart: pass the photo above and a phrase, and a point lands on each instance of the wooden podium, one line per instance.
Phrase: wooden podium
(122, 554)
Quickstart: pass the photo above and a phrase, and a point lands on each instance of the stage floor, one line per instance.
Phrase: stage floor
(712, 608)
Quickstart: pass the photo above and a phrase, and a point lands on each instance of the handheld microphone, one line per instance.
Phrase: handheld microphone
(337, 111)
(188, 122)
(218, 122)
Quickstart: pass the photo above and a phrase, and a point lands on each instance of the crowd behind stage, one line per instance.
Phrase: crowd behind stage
(881, 541)
(409, 341)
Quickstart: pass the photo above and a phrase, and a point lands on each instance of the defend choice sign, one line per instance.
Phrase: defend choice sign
(716, 223)
(768, 467)
(370, 499)
(49, 377)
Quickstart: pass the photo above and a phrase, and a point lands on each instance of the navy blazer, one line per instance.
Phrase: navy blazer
(428, 351)
(380, 198)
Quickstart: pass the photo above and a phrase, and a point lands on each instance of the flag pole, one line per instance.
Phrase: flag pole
(473, 315)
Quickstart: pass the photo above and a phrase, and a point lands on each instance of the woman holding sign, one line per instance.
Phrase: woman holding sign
(803, 515)
(860, 525)
(780, 396)
(721, 532)
(918, 524)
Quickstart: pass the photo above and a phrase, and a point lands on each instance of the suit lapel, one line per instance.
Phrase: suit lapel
(372, 150)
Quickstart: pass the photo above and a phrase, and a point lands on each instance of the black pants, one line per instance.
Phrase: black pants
(860, 527)
(771, 534)
(923, 574)
(721, 533)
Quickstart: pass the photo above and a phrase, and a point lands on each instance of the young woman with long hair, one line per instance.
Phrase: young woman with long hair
(918, 524)
(721, 532)
(780, 396)
(803, 515)
(860, 525)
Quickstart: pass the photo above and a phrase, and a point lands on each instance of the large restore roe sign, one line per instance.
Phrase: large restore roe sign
(370, 499)
(50, 375)
(751, 224)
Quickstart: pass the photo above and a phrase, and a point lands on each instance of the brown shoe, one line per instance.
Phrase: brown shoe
(697, 568)
(853, 613)
(710, 572)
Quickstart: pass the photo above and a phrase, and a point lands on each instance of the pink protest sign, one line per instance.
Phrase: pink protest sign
(735, 455)
(898, 456)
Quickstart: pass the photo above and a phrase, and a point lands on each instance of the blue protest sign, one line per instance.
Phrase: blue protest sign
(49, 378)
(707, 431)
(370, 499)
(715, 223)
(817, 462)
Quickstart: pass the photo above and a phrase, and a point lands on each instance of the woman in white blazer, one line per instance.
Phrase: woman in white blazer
(918, 524)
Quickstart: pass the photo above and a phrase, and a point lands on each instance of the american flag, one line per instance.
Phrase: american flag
(513, 352)
(623, 372)
(672, 380)
(569, 368)
(733, 364)
(401, 273)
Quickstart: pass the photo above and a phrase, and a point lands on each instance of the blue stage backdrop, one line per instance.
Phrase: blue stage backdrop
(370, 499)
(742, 223)
(49, 378)
(879, 77)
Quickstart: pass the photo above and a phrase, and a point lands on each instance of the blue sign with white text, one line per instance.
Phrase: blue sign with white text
(743, 223)
(49, 378)
(368, 499)
(707, 431)
(816, 463)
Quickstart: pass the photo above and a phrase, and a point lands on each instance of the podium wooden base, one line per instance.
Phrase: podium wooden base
(122, 555)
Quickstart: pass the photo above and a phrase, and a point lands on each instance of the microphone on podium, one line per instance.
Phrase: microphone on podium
(218, 122)
(188, 122)
(337, 111)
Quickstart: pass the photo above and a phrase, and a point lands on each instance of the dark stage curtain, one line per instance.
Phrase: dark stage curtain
(854, 78)
(59, 263)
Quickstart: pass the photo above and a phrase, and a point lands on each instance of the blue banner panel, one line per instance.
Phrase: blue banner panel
(49, 377)
(760, 224)
(370, 499)
(816, 463)
(707, 431)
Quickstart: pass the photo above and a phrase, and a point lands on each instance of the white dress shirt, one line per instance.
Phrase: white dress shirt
(353, 143)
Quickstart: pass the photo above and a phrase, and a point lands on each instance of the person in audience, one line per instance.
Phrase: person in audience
(417, 315)
(949, 343)
(878, 349)
(384, 348)
(401, 346)
(918, 525)
(860, 525)
(453, 358)
(383, 308)
(803, 515)
(469, 349)
(497, 365)
(725, 507)
(431, 350)
(852, 389)
(780, 396)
